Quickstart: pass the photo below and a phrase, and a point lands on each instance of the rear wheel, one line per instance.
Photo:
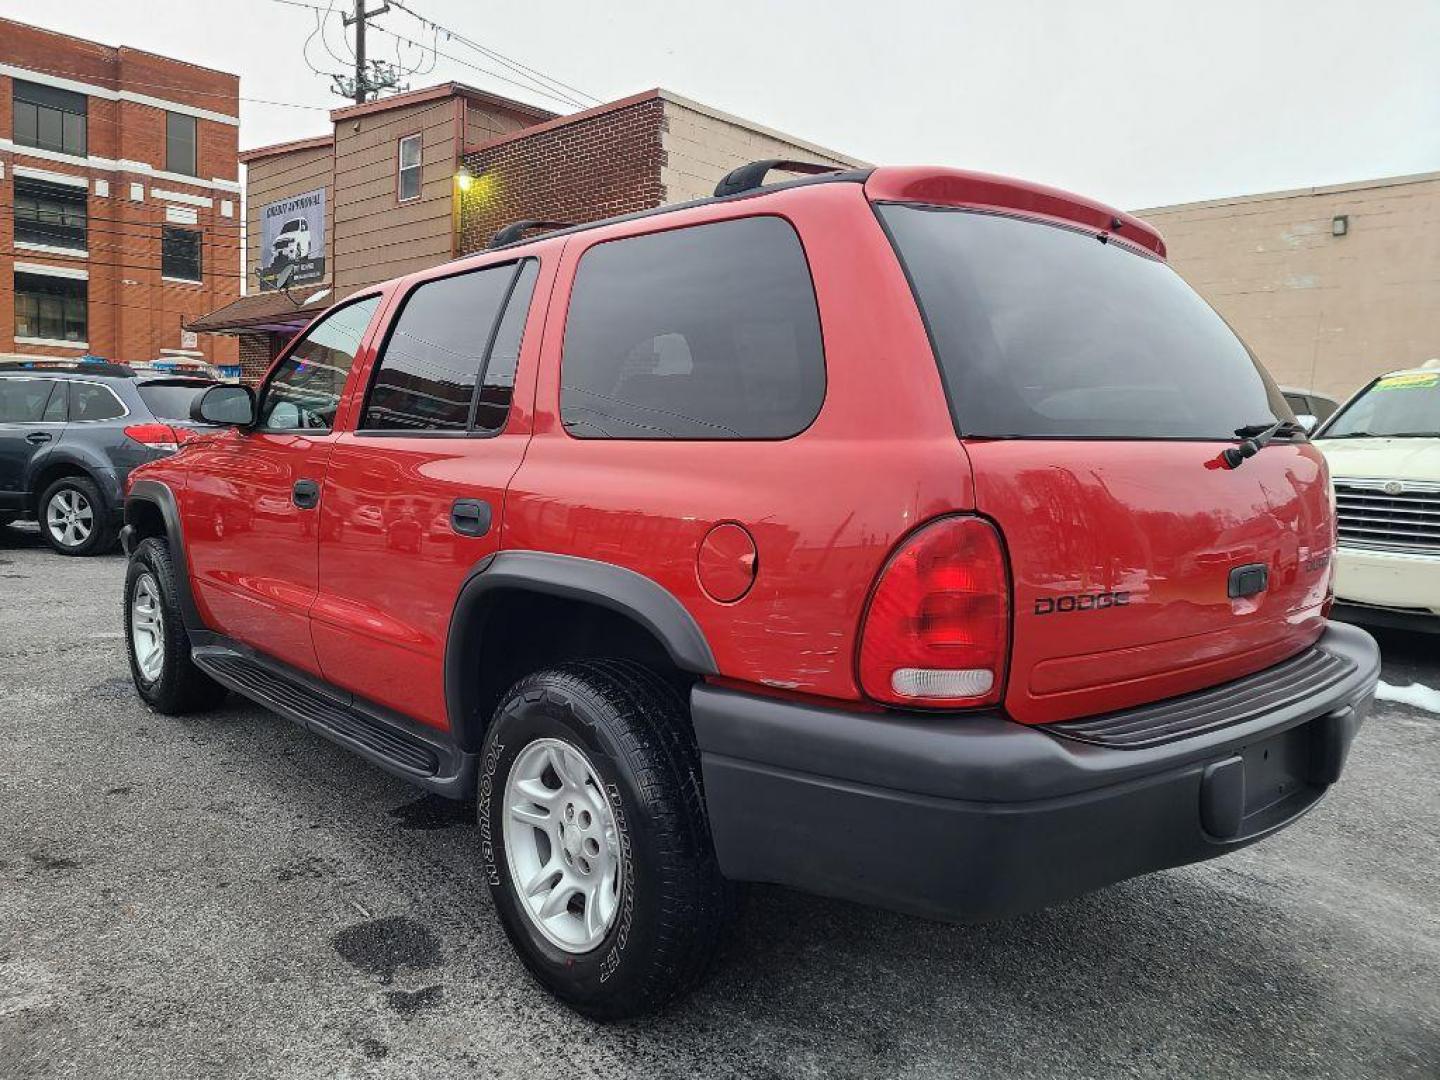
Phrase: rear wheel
(156, 639)
(74, 518)
(595, 841)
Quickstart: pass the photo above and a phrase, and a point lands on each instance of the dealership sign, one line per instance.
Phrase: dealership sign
(292, 234)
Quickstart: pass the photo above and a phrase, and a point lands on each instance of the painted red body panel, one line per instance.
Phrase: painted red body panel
(365, 595)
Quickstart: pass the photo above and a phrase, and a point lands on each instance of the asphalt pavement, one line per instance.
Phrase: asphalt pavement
(228, 896)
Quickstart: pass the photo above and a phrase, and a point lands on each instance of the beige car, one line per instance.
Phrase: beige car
(1384, 453)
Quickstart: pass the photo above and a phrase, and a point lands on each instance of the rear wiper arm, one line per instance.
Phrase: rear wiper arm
(1255, 437)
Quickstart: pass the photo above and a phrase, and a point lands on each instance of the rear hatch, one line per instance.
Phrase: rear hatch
(1093, 392)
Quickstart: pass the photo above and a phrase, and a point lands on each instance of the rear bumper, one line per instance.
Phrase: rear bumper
(975, 817)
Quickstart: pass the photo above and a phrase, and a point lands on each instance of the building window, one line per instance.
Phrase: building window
(49, 119)
(409, 179)
(180, 154)
(50, 308)
(49, 214)
(180, 253)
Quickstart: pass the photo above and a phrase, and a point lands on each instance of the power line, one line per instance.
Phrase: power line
(514, 65)
(83, 76)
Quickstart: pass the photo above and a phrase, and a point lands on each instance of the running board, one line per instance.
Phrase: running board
(387, 741)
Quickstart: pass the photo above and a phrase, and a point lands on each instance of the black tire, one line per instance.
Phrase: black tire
(102, 535)
(634, 729)
(179, 687)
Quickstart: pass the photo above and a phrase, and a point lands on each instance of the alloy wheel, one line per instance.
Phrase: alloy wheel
(69, 517)
(562, 846)
(147, 627)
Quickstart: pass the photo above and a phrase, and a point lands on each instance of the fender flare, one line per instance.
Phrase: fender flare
(158, 494)
(604, 584)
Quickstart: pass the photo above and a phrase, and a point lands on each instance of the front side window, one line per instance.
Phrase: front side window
(180, 253)
(1405, 406)
(180, 144)
(25, 401)
(304, 392)
(1043, 331)
(436, 355)
(408, 181)
(50, 308)
(91, 402)
(53, 215)
(706, 332)
(48, 118)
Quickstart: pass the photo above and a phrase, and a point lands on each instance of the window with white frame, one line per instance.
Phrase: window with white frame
(408, 180)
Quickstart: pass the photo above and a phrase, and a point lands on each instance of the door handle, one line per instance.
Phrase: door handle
(35, 438)
(305, 494)
(470, 517)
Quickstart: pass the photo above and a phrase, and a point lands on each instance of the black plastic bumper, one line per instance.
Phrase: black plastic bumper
(975, 817)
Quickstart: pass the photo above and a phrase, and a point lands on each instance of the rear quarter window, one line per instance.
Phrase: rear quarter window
(706, 332)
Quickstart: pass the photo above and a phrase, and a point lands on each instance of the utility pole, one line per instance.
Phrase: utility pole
(371, 76)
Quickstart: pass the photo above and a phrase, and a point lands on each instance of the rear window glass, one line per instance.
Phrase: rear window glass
(708, 332)
(1045, 331)
(1397, 406)
(171, 401)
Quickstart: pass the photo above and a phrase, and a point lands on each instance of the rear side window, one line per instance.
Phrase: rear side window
(90, 402)
(1044, 331)
(171, 401)
(707, 332)
(23, 401)
(444, 344)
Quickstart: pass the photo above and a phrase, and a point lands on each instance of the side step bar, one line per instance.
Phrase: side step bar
(385, 739)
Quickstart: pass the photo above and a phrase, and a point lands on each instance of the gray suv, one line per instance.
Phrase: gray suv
(69, 436)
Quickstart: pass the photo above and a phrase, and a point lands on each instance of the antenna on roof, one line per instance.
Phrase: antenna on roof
(516, 230)
(751, 176)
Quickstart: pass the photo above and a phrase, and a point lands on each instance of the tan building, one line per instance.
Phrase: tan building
(1330, 286)
(418, 179)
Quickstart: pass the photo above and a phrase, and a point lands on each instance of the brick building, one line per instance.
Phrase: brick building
(119, 200)
(424, 177)
(1330, 286)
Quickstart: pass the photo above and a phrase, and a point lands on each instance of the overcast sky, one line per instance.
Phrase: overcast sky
(1135, 102)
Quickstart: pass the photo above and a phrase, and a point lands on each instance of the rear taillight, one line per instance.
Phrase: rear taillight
(155, 436)
(937, 631)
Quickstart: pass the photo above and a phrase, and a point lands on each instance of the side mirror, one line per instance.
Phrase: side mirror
(1307, 421)
(227, 405)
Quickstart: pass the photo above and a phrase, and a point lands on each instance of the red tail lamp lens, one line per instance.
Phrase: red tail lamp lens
(937, 632)
(155, 436)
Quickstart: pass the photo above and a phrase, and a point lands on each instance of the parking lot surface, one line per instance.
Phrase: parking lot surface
(228, 896)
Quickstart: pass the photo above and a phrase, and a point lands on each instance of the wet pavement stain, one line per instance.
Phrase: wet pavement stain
(433, 812)
(408, 1002)
(51, 862)
(382, 947)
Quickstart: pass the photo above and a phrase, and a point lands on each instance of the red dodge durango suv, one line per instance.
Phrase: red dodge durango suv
(906, 535)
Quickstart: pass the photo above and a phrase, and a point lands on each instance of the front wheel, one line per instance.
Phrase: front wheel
(595, 841)
(156, 638)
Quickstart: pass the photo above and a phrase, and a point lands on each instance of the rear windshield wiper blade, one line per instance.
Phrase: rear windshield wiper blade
(1255, 437)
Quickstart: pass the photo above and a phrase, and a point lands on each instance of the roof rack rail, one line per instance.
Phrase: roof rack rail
(69, 367)
(517, 229)
(751, 176)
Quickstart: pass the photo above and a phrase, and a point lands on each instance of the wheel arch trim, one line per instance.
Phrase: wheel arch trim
(156, 493)
(605, 585)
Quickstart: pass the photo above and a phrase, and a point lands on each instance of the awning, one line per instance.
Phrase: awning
(267, 311)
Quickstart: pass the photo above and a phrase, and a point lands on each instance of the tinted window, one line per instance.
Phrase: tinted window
(90, 402)
(1042, 330)
(49, 118)
(180, 253)
(709, 332)
(22, 401)
(50, 308)
(180, 143)
(497, 386)
(1395, 405)
(49, 214)
(305, 390)
(57, 406)
(171, 401)
(431, 363)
